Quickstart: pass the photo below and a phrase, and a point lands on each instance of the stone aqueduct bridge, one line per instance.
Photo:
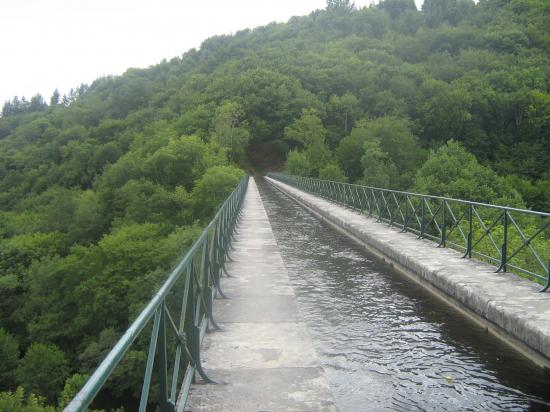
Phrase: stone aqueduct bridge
(264, 359)
(266, 356)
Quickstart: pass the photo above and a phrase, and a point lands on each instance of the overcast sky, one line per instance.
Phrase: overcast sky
(48, 44)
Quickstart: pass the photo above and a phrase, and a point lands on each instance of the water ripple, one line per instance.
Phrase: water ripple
(384, 342)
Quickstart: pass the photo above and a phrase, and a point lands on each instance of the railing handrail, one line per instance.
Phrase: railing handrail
(96, 381)
(403, 192)
(433, 217)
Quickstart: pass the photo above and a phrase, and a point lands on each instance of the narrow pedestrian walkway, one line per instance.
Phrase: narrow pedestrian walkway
(264, 359)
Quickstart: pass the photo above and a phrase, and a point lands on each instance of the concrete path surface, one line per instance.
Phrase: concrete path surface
(264, 359)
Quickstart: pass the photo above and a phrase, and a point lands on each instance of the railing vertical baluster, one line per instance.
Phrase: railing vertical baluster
(422, 218)
(545, 288)
(406, 219)
(370, 204)
(173, 393)
(470, 230)
(468, 252)
(374, 203)
(443, 239)
(504, 250)
(150, 362)
(165, 404)
(346, 195)
(390, 210)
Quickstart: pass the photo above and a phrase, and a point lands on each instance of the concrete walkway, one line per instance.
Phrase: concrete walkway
(505, 304)
(264, 359)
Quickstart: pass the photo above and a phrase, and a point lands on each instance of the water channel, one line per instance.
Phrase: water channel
(385, 342)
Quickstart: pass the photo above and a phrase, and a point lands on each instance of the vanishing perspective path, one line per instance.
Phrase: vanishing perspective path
(264, 359)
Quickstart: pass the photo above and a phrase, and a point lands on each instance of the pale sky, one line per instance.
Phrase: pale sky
(46, 44)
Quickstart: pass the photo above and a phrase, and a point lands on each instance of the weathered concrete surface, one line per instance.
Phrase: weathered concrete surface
(264, 359)
(507, 305)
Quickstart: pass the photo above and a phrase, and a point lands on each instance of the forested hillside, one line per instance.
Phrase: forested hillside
(103, 189)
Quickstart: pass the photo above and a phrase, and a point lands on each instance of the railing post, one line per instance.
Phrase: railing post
(504, 250)
(468, 253)
(390, 211)
(422, 219)
(165, 404)
(545, 288)
(406, 220)
(346, 195)
(150, 362)
(207, 284)
(371, 202)
(218, 258)
(192, 329)
(443, 240)
(378, 214)
(358, 199)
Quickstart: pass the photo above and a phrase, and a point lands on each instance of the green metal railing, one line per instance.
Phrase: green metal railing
(189, 289)
(516, 240)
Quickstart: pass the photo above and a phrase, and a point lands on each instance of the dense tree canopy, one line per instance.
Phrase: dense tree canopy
(453, 172)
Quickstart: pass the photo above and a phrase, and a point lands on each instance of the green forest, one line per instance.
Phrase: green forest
(104, 188)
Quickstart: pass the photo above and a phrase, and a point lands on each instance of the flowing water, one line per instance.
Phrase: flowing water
(386, 343)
